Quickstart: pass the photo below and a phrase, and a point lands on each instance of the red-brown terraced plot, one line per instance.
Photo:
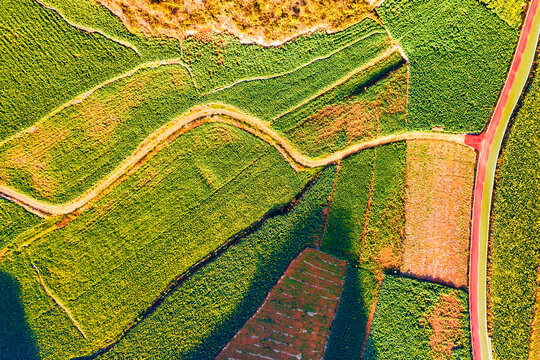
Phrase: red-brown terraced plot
(295, 318)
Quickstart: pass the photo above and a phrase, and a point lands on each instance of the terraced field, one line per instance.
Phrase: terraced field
(194, 196)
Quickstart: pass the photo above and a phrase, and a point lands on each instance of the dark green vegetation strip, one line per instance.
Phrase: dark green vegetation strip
(45, 62)
(113, 260)
(452, 45)
(402, 328)
(349, 327)
(514, 248)
(200, 317)
(14, 219)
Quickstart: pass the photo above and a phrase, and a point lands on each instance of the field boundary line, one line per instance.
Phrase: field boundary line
(181, 124)
(51, 295)
(83, 96)
(90, 30)
(299, 67)
(381, 57)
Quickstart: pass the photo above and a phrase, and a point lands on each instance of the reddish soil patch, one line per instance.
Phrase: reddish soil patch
(439, 185)
(295, 319)
(445, 320)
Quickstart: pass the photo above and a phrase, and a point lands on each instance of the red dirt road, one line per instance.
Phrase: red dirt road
(295, 319)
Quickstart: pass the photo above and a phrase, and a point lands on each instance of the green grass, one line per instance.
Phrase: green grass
(199, 317)
(509, 10)
(400, 329)
(44, 62)
(363, 103)
(75, 148)
(113, 260)
(14, 220)
(514, 243)
(385, 216)
(350, 325)
(450, 55)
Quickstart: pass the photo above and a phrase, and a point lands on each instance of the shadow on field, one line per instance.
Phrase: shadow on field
(16, 340)
(348, 331)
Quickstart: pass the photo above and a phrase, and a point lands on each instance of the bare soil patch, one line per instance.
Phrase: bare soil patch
(439, 185)
(267, 22)
(295, 319)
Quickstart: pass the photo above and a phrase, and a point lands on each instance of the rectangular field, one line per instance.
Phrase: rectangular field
(419, 320)
(295, 319)
(439, 186)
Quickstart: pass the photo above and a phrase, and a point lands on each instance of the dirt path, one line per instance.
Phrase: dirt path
(195, 118)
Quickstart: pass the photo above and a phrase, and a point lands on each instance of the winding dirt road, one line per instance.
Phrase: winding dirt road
(194, 118)
(488, 145)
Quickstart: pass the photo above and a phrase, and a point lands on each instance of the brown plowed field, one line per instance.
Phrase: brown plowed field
(295, 319)
(439, 185)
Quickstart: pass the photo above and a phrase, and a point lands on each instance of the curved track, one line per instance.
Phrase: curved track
(488, 145)
(187, 122)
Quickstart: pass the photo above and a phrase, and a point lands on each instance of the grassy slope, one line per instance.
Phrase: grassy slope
(93, 137)
(515, 229)
(45, 62)
(450, 56)
(108, 264)
(13, 221)
(399, 329)
(198, 319)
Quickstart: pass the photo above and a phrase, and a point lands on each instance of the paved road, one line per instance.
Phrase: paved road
(488, 145)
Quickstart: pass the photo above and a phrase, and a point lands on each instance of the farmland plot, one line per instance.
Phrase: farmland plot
(370, 104)
(509, 10)
(514, 253)
(419, 320)
(200, 317)
(45, 62)
(439, 185)
(450, 56)
(366, 219)
(13, 221)
(296, 317)
(67, 153)
(109, 263)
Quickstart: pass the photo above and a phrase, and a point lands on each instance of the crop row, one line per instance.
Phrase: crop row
(515, 229)
(450, 56)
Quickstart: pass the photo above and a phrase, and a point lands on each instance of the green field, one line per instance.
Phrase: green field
(509, 10)
(198, 318)
(13, 221)
(44, 62)
(370, 237)
(450, 55)
(419, 320)
(370, 104)
(75, 148)
(350, 325)
(514, 248)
